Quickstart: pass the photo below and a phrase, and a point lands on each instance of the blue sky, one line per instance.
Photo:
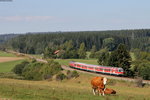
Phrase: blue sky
(21, 16)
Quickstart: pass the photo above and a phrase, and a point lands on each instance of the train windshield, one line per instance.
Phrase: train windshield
(120, 70)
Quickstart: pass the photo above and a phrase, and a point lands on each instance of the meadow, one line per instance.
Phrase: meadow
(73, 89)
(8, 66)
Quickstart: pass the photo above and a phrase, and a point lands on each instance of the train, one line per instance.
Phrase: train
(97, 68)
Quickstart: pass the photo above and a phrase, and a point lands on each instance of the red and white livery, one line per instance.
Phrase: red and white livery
(97, 68)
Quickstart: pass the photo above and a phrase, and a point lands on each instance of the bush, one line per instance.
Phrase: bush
(144, 70)
(36, 70)
(73, 74)
(139, 81)
(60, 77)
(41, 71)
(18, 69)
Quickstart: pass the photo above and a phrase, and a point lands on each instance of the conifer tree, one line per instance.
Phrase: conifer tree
(82, 51)
(103, 57)
(121, 58)
(93, 50)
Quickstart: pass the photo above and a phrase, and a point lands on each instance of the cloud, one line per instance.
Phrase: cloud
(25, 18)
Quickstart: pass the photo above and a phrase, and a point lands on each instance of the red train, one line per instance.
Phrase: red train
(97, 68)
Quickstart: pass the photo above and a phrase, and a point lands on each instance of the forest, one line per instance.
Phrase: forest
(35, 43)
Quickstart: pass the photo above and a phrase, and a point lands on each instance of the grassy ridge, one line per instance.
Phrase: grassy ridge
(5, 54)
(7, 66)
(74, 89)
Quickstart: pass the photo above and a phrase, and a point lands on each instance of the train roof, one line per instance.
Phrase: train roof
(95, 65)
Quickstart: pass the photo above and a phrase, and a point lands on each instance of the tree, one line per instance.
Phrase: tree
(49, 53)
(121, 58)
(144, 70)
(82, 51)
(69, 50)
(109, 43)
(93, 50)
(103, 57)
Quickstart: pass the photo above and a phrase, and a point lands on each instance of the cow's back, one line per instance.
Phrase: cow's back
(97, 82)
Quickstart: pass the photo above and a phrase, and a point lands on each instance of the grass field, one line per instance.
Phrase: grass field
(7, 66)
(8, 61)
(73, 89)
(5, 54)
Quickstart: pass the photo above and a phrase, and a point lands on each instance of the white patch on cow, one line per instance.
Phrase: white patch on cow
(103, 93)
(104, 80)
(94, 91)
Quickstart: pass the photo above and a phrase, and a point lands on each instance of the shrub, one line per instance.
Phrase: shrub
(73, 74)
(60, 77)
(41, 71)
(139, 81)
(18, 69)
(144, 70)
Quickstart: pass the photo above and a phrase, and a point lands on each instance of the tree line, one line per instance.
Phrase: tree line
(35, 43)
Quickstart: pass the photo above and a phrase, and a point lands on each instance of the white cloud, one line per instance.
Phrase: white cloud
(25, 18)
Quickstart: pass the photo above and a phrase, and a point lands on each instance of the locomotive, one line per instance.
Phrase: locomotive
(97, 68)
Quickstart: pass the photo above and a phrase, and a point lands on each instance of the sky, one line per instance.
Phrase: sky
(21, 16)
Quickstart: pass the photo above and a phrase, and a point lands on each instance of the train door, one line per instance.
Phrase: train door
(113, 71)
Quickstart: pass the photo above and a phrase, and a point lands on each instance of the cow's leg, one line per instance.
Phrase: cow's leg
(94, 90)
(101, 92)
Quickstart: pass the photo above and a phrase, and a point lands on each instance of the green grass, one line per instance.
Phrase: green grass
(66, 61)
(7, 66)
(73, 89)
(5, 54)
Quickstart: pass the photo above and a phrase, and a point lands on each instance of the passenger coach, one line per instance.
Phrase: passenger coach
(97, 68)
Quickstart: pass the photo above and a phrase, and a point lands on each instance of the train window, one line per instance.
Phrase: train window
(78, 65)
(84, 66)
(107, 69)
(90, 67)
(97, 68)
(120, 70)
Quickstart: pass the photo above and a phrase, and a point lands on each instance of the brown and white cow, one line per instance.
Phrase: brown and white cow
(109, 91)
(98, 84)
